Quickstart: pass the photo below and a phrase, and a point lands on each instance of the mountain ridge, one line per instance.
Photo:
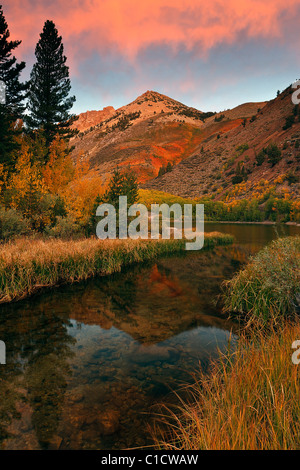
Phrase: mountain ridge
(148, 134)
(217, 165)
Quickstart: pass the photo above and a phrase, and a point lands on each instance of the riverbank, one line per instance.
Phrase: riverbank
(266, 206)
(29, 265)
(268, 289)
(265, 222)
(249, 400)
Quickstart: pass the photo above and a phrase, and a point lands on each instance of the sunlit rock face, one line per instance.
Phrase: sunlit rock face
(150, 133)
(91, 118)
(144, 135)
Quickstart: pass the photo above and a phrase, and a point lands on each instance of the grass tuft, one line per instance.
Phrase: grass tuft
(268, 289)
(27, 265)
(249, 400)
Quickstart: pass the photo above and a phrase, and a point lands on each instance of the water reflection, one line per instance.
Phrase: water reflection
(85, 363)
(34, 380)
(46, 353)
(254, 235)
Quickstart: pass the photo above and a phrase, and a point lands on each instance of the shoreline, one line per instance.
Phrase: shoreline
(27, 268)
(257, 386)
(265, 222)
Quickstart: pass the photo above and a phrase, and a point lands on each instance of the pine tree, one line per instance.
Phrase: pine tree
(122, 184)
(116, 187)
(15, 93)
(130, 187)
(10, 71)
(49, 100)
(7, 138)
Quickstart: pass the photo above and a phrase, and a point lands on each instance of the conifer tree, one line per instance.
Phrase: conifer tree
(7, 138)
(130, 187)
(10, 71)
(12, 107)
(49, 100)
(122, 184)
(116, 187)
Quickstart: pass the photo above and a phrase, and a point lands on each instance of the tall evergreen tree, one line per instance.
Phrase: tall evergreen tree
(15, 93)
(7, 139)
(122, 184)
(10, 71)
(49, 100)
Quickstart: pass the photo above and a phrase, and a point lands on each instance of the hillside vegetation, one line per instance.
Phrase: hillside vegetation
(149, 133)
(258, 156)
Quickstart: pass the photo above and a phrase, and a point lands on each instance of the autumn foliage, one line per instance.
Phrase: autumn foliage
(43, 193)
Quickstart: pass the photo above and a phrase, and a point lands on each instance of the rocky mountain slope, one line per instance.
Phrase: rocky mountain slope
(149, 133)
(92, 118)
(235, 161)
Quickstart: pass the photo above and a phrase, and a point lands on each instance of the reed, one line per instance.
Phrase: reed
(268, 289)
(250, 397)
(27, 265)
(249, 400)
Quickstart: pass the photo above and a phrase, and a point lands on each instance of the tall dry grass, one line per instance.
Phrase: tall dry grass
(249, 400)
(27, 265)
(268, 289)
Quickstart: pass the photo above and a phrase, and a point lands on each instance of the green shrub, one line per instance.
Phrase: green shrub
(273, 153)
(219, 118)
(289, 122)
(242, 148)
(12, 224)
(65, 227)
(260, 158)
(237, 179)
(240, 174)
(291, 177)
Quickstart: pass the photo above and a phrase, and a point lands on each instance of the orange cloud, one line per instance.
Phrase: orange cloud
(133, 25)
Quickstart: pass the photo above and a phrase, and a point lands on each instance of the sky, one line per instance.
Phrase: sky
(208, 54)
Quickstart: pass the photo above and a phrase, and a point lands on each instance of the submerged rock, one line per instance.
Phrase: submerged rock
(76, 397)
(109, 422)
(55, 443)
(148, 354)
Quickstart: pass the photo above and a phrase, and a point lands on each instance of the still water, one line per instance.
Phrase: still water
(87, 363)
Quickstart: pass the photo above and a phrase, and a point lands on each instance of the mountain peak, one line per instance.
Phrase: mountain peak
(156, 97)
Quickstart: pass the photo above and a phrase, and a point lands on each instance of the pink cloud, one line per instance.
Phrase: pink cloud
(130, 26)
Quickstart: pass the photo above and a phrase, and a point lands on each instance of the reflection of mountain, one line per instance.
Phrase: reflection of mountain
(162, 282)
(152, 305)
(161, 303)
